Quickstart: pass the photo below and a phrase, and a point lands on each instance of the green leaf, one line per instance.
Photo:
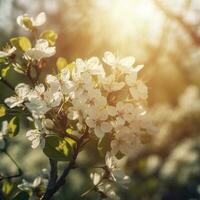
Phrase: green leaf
(2, 110)
(58, 148)
(27, 22)
(7, 187)
(50, 36)
(61, 63)
(4, 71)
(71, 66)
(13, 127)
(21, 43)
(72, 143)
(21, 196)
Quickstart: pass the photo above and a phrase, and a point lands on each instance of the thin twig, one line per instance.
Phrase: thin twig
(20, 172)
(95, 186)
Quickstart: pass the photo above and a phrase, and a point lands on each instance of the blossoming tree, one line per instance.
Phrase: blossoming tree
(84, 101)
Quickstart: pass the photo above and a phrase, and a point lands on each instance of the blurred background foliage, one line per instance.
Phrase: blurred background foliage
(162, 34)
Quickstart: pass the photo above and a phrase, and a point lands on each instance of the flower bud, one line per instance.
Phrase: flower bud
(48, 123)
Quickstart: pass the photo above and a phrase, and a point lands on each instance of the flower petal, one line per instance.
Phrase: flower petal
(40, 19)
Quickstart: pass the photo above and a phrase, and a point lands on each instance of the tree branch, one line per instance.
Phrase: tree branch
(188, 27)
(53, 173)
(61, 180)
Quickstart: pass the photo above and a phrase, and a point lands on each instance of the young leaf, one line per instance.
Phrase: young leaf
(28, 23)
(72, 143)
(7, 187)
(61, 63)
(71, 66)
(4, 71)
(50, 36)
(13, 127)
(21, 43)
(58, 148)
(2, 110)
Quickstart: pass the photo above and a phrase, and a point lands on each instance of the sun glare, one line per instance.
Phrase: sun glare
(125, 15)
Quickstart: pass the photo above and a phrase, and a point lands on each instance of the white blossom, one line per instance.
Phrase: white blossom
(37, 136)
(125, 141)
(28, 23)
(111, 84)
(137, 88)
(92, 66)
(41, 50)
(41, 100)
(21, 90)
(95, 99)
(41, 180)
(105, 181)
(53, 83)
(26, 186)
(7, 52)
(104, 186)
(139, 91)
(96, 120)
(123, 113)
(65, 82)
(36, 103)
(80, 82)
(124, 65)
(116, 174)
(109, 192)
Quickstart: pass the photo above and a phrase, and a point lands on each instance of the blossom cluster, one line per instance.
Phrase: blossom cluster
(42, 48)
(104, 96)
(109, 99)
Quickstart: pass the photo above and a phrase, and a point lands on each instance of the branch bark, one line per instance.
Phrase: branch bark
(53, 174)
(61, 180)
